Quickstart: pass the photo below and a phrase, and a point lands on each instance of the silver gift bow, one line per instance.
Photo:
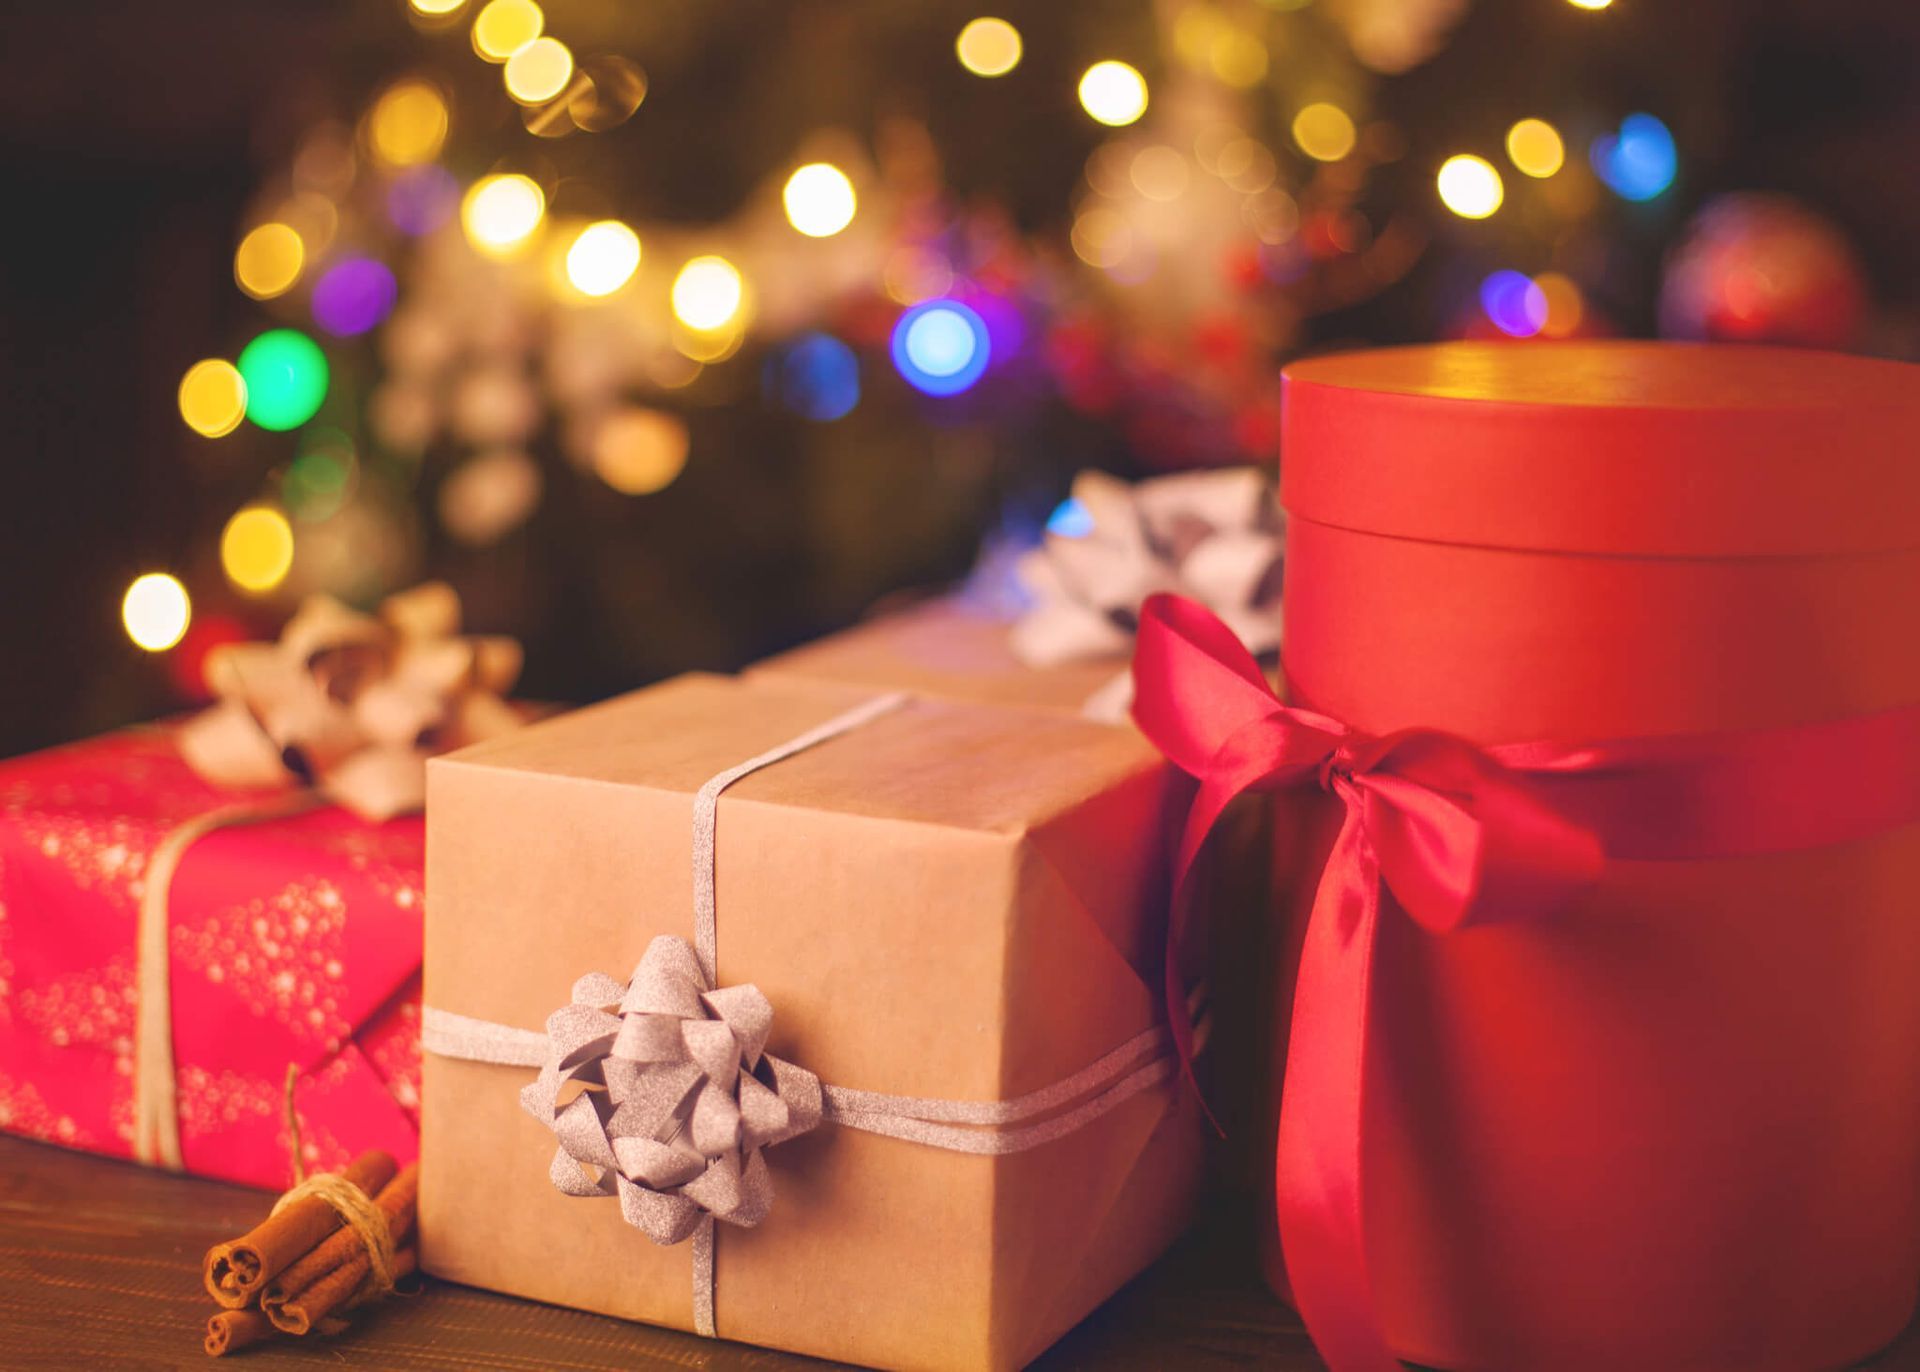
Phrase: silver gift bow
(667, 1118)
(690, 1096)
(1214, 536)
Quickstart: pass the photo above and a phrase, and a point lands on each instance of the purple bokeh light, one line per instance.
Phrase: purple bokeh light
(353, 295)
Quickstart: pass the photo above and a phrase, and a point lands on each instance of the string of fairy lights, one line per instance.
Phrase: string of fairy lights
(941, 340)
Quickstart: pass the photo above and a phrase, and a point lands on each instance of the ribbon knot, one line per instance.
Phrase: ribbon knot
(679, 1096)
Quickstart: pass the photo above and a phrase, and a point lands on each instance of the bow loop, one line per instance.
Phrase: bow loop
(678, 1095)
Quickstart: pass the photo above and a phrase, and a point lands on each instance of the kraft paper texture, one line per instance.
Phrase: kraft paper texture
(951, 901)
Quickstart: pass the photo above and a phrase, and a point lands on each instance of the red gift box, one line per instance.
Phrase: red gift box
(1677, 1123)
(291, 941)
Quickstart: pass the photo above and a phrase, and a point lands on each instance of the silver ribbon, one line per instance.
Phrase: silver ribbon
(1213, 536)
(680, 1098)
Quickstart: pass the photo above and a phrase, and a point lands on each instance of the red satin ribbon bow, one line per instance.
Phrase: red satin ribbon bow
(1455, 834)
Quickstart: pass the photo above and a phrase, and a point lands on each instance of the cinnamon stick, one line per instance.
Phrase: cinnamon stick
(232, 1330)
(334, 1295)
(236, 1270)
(328, 1277)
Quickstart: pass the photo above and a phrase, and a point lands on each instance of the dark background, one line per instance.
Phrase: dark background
(134, 134)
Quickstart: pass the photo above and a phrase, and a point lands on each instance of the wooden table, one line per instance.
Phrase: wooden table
(100, 1268)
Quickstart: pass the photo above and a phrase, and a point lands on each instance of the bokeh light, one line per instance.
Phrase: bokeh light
(286, 378)
(707, 294)
(353, 295)
(1536, 147)
(1237, 57)
(603, 258)
(1590, 4)
(489, 496)
(1159, 172)
(156, 611)
(408, 124)
(1514, 304)
(989, 47)
(268, 261)
(1566, 306)
(321, 478)
(819, 200)
(435, 8)
(213, 397)
(941, 347)
(1113, 93)
(256, 548)
(1640, 161)
(1470, 187)
(421, 199)
(639, 451)
(503, 27)
(1101, 237)
(817, 377)
(501, 212)
(539, 71)
(1070, 519)
(1324, 132)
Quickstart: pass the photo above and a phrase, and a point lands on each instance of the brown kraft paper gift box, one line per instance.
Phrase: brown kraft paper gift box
(950, 901)
(952, 647)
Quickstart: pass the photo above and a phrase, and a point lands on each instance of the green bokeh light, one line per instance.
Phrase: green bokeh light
(286, 376)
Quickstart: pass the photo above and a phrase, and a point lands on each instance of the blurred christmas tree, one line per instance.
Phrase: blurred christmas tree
(673, 333)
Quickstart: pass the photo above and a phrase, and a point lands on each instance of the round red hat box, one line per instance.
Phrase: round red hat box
(1679, 1126)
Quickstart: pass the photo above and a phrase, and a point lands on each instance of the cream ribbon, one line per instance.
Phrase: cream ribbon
(1213, 536)
(345, 707)
(351, 704)
(691, 1098)
(156, 1111)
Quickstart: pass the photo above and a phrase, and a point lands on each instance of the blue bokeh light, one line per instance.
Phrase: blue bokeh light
(1640, 161)
(817, 377)
(941, 347)
(1070, 519)
(1516, 306)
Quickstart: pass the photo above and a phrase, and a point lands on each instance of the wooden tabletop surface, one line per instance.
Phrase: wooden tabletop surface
(100, 1268)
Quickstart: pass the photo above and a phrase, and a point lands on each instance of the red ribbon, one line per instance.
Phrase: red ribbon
(1454, 834)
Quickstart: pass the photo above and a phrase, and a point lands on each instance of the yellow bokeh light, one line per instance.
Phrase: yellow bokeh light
(1566, 306)
(408, 124)
(501, 212)
(1237, 58)
(539, 71)
(1101, 238)
(638, 451)
(504, 27)
(1324, 132)
(603, 258)
(989, 47)
(435, 7)
(256, 548)
(1113, 93)
(156, 611)
(213, 397)
(707, 294)
(1470, 186)
(268, 261)
(1590, 4)
(1159, 172)
(819, 200)
(1536, 148)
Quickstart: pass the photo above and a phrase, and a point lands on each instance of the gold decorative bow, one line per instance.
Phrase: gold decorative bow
(690, 1096)
(1214, 536)
(353, 704)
